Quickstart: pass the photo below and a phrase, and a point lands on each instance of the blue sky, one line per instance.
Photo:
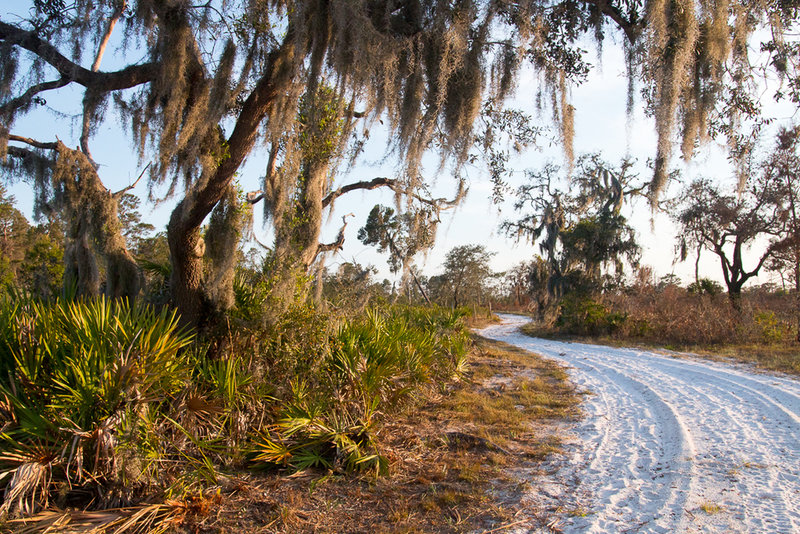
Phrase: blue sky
(601, 125)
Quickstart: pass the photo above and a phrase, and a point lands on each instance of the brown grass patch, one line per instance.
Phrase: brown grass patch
(447, 455)
(448, 459)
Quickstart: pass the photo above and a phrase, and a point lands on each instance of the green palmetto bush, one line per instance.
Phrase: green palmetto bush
(375, 363)
(100, 400)
(79, 381)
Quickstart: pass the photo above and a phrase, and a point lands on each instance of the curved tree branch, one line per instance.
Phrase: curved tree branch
(26, 98)
(363, 185)
(32, 142)
(126, 78)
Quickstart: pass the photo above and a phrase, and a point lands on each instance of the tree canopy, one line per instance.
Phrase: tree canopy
(578, 225)
(202, 87)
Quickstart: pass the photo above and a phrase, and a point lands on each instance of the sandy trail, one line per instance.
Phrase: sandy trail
(673, 445)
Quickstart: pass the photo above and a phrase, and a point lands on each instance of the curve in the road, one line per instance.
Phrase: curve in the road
(676, 445)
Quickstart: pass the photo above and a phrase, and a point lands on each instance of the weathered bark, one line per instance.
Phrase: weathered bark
(297, 232)
(183, 230)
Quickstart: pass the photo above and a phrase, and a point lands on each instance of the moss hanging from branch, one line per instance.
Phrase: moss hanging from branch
(66, 182)
(230, 220)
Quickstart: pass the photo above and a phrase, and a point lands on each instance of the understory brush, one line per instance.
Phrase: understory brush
(104, 404)
(762, 331)
(678, 317)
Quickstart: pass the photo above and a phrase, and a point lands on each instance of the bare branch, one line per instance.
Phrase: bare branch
(254, 197)
(25, 98)
(336, 245)
(32, 142)
(363, 185)
(107, 36)
(126, 189)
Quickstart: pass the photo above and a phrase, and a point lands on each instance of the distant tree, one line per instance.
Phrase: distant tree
(668, 280)
(402, 236)
(704, 286)
(579, 228)
(42, 270)
(134, 229)
(518, 282)
(727, 225)
(783, 166)
(14, 230)
(351, 286)
(466, 274)
(31, 257)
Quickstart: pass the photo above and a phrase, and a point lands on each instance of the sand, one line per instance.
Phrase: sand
(669, 444)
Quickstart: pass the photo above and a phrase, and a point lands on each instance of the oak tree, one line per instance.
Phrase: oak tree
(204, 86)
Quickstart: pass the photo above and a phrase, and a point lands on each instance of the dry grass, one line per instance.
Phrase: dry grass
(764, 333)
(447, 456)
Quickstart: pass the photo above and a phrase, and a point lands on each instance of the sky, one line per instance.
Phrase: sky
(601, 125)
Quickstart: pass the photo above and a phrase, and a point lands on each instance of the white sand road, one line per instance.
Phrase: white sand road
(670, 444)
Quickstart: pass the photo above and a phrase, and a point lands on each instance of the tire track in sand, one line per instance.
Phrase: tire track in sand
(663, 437)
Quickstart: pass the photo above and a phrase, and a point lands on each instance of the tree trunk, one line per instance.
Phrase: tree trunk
(419, 286)
(183, 231)
(735, 297)
(186, 255)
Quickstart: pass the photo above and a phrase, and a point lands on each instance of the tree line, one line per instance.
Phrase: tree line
(202, 88)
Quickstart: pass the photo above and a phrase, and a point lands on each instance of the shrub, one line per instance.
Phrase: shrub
(773, 330)
(76, 381)
(110, 402)
(704, 286)
(375, 364)
(585, 316)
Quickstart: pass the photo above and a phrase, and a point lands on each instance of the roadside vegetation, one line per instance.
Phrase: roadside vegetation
(118, 419)
(147, 374)
(106, 405)
(680, 320)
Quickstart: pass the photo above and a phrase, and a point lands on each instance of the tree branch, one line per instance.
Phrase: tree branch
(19, 152)
(336, 245)
(190, 214)
(107, 36)
(25, 98)
(32, 142)
(364, 185)
(394, 185)
(121, 192)
(128, 77)
(632, 29)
